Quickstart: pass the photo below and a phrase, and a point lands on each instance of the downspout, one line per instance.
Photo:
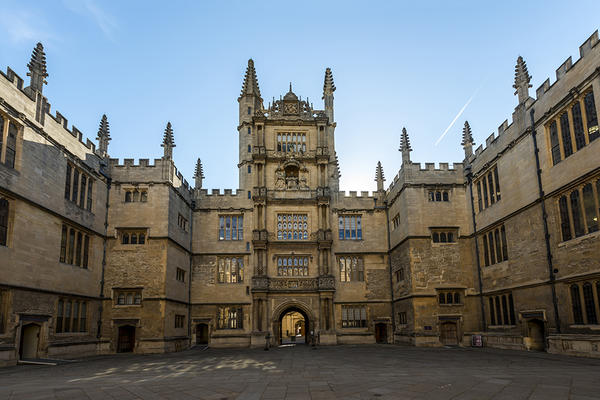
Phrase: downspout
(478, 261)
(545, 221)
(104, 244)
(387, 224)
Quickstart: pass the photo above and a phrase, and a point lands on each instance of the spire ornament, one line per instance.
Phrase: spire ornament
(405, 146)
(168, 142)
(379, 178)
(522, 79)
(198, 174)
(103, 136)
(37, 68)
(328, 89)
(250, 85)
(467, 140)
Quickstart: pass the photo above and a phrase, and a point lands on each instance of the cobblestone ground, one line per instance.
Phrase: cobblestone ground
(343, 372)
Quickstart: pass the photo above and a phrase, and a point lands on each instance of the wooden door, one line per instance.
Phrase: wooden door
(126, 341)
(449, 334)
(30, 340)
(202, 334)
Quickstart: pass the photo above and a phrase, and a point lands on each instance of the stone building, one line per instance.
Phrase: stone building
(100, 256)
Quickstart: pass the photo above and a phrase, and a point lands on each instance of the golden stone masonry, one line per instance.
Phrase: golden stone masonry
(99, 256)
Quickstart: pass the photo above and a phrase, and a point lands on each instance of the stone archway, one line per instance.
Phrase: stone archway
(288, 307)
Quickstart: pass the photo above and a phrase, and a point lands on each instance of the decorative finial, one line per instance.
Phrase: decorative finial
(467, 140)
(250, 86)
(328, 85)
(379, 178)
(522, 79)
(168, 142)
(290, 87)
(405, 146)
(103, 136)
(199, 174)
(37, 68)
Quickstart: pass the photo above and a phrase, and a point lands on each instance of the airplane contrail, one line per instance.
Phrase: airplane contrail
(458, 115)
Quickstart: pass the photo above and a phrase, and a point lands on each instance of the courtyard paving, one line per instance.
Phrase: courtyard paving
(342, 372)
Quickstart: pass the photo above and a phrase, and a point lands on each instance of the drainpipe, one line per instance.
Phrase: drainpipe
(481, 304)
(545, 221)
(104, 244)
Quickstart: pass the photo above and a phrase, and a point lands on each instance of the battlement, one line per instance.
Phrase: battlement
(58, 118)
(217, 192)
(354, 194)
(144, 170)
(428, 174)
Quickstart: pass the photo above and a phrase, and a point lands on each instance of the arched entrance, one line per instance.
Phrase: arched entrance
(202, 334)
(449, 334)
(126, 339)
(536, 334)
(30, 340)
(292, 326)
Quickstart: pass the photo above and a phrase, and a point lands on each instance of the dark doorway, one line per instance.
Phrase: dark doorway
(293, 327)
(449, 334)
(381, 333)
(202, 334)
(536, 334)
(126, 341)
(30, 341)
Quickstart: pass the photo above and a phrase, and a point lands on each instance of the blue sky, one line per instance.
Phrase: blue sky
(395, 64)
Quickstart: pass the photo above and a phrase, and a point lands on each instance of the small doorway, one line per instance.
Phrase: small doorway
(536, 334)
(449, 334)
(293, 328)
(381, 332)
(126, 340)
(30, 340)
(202, 334)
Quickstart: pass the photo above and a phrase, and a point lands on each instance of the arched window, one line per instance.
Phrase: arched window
(121, 299)
(134, 238)
(129, 298)
(445, 196)
(588, 300)
(450, 237)
(125, 239)
(443, 237)
(144, 196)
(438, 196)
(431, 196)
(449, 298)
(436, 237)
(136, 195)
(442, 298)
(128, 197)
(456, 298)
(137, 299)
(142, 238)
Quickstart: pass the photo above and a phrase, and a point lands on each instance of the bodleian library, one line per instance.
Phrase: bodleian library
(99, 256)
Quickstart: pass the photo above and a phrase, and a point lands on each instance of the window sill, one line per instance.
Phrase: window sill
(436, 244)
(127, 305)
(64, 334)
(230, 283)
(594, 327)
(577, 240)
(501, 326)
(451, 305)
(73, 265)
(498, 264)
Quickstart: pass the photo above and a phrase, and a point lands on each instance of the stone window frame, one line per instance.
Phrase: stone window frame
(562, 144)
(575, 225)
(229, 317)
(79, 187)
(396, 222)
(75, 246)
(135, 194)
(300, 264)
(494, 246)
(349, 224)
(400, 275)
(351, 321)
(125, 237)
(488, 188)
(225, 233)
(297, 143)
(4, 310)
(65, 316)
(5, 125)
(585, 308)
(501, 309)
(180, 275)
(179, 321)
(6, 220)
(127, 297)
(438, 195)
(441, 236)
(297, 233)
(226, 275)
(182, 222)
(402, 318)
(351, 268)
(448, 297)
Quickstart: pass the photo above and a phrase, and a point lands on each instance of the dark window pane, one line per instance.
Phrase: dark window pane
(565, 225)
(71, 246)
(68, 182)
(592, 117)
(3, 222)
(504, 244)
(82, 192)
(86, 251)
(125, 238)
(134, 238)
(445, 196)
(492, 252)
(492, 191)
(486, 255)
(11, 146)
(449, 298)
(485, 192)
(576, 213)
(576, 303)
(498, 311)
(78, 249)
(63, 244)
(498, 245)
(59, 317)
(479, 201)
(128, 197)
(511, 306)
(436, 237)
(456, 298)
(565, 131)
(588, 300)
(497, 183)
(492, 313)
(442, 298)
(75, 185)
(505, 310)
(589, 205)
(578, 126)
(554, 143)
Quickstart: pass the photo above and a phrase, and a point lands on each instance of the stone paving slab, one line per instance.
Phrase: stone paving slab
(341, 372)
